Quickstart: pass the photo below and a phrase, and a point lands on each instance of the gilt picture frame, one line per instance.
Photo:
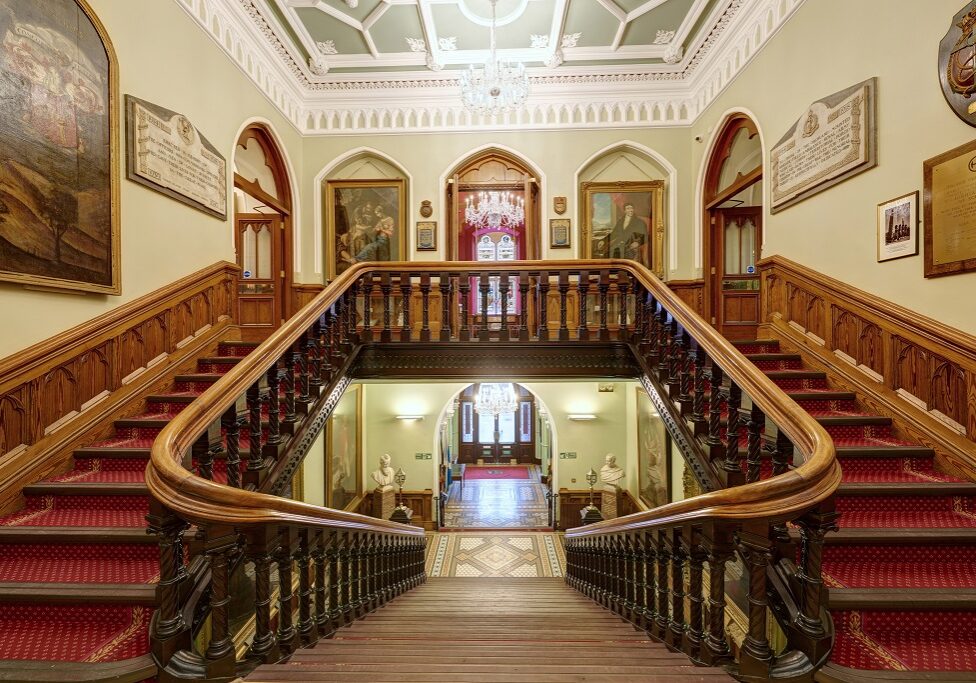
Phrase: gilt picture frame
(560, 235)
(898, 227)
(624, 219)
(426, 235)
(59, 220)
(344, 450)
(653, 453)
(364, 221)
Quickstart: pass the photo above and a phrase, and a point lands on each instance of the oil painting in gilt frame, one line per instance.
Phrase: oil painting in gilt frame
(653, 453)
(364, 221)
(59, 192)
(624, 220)
(343, 450)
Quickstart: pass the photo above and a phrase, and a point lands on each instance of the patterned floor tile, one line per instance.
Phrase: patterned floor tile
(517, 554)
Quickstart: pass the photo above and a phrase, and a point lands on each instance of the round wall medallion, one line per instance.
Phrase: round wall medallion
(426, 210)
(957, 64)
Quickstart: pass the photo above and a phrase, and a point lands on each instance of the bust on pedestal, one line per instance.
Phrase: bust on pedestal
(610, 474)
(384, 499)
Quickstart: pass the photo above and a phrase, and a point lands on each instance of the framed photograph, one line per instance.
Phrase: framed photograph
(559, 235)
(624, 220)
(426, 235)
(59, 187)
(898, 227)
(364, 221)
(343, 450)
(949, 200)
(653, 453)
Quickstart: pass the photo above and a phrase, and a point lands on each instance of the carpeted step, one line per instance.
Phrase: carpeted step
(798, 380)
(749, 346)
(819, 407)
(196, 382)
(891, 470)
(236, 348)
(73, 633)
(900, 566)
(775, 361)
(219, 364)
(918, 511)
(905, 640)
(82, 563)
(81, 511)
(106, 470)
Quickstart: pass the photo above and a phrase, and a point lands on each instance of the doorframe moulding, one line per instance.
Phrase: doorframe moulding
(567, 98)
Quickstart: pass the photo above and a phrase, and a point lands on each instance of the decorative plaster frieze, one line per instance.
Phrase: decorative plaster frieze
(663, 37)
(319, 102)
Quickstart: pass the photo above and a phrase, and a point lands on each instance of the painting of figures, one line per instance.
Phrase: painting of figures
(58, 147)
(653, 453)
(344, 450)
(364, 222)
(624, 220)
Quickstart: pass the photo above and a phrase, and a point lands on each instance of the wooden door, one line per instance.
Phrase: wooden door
(260, 286)
(736, 237)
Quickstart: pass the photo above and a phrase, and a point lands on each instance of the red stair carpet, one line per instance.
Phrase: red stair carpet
(82, 534)
(907, 532)
(496, 472)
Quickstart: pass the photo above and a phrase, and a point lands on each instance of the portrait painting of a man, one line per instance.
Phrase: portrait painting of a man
(621, 221)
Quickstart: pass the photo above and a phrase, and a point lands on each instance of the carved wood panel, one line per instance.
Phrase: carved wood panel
(692, 292)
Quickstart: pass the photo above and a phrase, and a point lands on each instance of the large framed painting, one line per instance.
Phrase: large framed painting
(949, 200)
(59, 192)
(624, 220)
(364, 221)
(653, 453)
(343, 450)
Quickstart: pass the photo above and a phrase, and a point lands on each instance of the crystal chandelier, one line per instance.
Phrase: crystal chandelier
(497, 86)
(496, 399)
(494, 210)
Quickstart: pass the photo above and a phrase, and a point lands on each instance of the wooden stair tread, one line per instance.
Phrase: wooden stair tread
(903, 598)
(76, 593)
(899, 536)
(884, 452)
(81, 488)
(929, 488)
(74, 534)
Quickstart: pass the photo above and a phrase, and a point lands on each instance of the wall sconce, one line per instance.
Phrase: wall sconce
(410, 418)
(581, 417)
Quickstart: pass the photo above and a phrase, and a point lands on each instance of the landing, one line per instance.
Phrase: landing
(496, 554)
(497, 497)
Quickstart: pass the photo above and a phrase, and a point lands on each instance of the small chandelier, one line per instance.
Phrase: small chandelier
(494, 210)
(497, 86)
(495, 399)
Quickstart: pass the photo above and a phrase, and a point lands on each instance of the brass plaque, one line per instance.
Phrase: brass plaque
(950, 212)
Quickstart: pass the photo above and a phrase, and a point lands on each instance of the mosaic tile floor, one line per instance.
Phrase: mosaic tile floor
(497, 503)
(512, 555)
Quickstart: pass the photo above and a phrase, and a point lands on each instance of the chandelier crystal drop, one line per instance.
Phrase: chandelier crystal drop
(496, 399)
(497, 86)
(495, 210)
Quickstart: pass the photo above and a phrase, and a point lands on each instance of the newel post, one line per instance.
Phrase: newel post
(170, 633)
(814, 525)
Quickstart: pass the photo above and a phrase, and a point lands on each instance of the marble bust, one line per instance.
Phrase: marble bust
(611, 473)
(384, 475)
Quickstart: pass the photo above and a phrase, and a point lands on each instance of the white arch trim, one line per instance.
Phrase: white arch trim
(700, 183)
(318, 228)
(672, 173)
(543, 187)
(296, 207)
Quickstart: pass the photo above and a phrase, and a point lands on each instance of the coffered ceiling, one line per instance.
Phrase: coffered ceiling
(388, 66)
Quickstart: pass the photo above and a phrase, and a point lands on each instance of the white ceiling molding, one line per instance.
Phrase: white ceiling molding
(568, 97)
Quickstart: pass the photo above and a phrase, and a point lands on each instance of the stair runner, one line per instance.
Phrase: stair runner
(489, 630)
(902, 568)
(77, 568)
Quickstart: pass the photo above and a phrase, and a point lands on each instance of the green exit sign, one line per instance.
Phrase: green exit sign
(423, 456)
(567, 455)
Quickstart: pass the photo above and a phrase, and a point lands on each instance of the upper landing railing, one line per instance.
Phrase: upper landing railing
(262, 416)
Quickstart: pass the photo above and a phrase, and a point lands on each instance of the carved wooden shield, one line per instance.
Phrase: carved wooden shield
(559, 205)
(957, 64)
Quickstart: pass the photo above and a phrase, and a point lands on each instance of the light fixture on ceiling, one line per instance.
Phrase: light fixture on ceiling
(495, 399)
(494, 210)
(498, 85)
(581, 417)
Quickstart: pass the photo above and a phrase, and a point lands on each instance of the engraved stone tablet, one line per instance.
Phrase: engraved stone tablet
(165, 152)
(834, 139)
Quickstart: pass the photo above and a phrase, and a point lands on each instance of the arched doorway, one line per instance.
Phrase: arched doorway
(733, 206)
(262, 233)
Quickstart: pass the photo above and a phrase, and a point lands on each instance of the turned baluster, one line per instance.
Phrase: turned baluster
(582, 292)
(640, 310)
(386, 287)
(698, 401)
(630, 582)
(649, 586)
(663, 343)
(206, 448)
(604, 288)
(306, 624)
(346, 555)
(446, 292)
(286, 627)
(661, 584)
(674, 355)
(616, 575)
(782, 459)
(320, 562)
(543, 289)
(684, 362)
(464, 289)
(734, 403)
(676, 624)
(484, 289)
(350, 311)
(718, 545)
(652, 337)
(424, 307)
(355, 574)
(754, 453)
(367, 288)
(264, 647)
(523, 285)
(504, 287)
(563, 284)
(274, 406)
(302, 353)
(288, 378)
(696, 561)
(255, 458)
(169, 530)
(756, 655)
(334, 343)
(715, 400)
(220, 547)
(313, 342)
(231, 423)
(813, 527)
(623, 288)
(405, 301)
(336, 583)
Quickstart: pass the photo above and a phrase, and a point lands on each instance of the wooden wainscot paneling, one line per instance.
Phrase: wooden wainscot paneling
(301, 294)
(572, 502)
(421, 502)
(692, 292)
(901, 363)
(55, 393)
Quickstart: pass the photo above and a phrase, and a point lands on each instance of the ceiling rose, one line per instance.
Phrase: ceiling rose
(481, 12)
(497, 86)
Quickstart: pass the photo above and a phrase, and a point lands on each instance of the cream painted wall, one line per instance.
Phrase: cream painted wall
(428, 158)
(313, 472)
(164, 58)
(827, 46)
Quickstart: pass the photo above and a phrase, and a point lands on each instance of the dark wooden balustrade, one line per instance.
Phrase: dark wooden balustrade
(313, 569)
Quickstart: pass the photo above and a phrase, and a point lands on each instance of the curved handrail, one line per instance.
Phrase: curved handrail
(197, 499)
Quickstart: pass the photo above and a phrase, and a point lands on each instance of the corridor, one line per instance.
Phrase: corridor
(497, 497)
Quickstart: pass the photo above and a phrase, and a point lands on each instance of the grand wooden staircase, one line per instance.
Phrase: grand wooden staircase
(489, 631)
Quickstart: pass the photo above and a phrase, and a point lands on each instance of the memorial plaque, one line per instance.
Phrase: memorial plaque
(168, 154)
(950, 211)
(835, 139)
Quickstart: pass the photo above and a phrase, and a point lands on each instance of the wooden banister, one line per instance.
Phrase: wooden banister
(634, 564)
